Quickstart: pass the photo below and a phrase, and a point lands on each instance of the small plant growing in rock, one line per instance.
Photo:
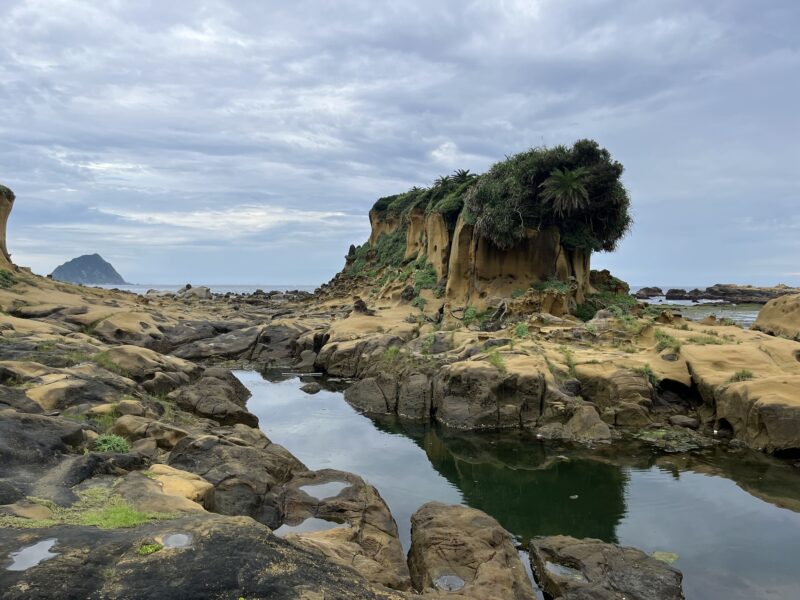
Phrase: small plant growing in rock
(665, 340)
(111, 442)
(517, 293)
(391, 355)
(591, 328)
(470, 315)
(521, 330)
(7, 279)
(497, 361)
(569, 360)
(742, 375)
(647, 372)
(727, 321)
(419, 302)
(148, 549)
(425, 278)
(427, 343)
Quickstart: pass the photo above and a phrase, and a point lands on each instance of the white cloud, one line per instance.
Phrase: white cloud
(235, 221)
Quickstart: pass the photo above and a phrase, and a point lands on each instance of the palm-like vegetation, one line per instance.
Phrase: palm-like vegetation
(462, 176)
(565, 190)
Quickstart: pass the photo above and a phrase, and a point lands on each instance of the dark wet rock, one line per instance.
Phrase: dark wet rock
(628, 414)
(243, 476)
(14, 397)
(359, 306)
(575, 423)
(584, 569)
(356, 358)
(572, 387)
(475, 394)
(216, 399)
(610, 389)
(648, 292)
(248, 561)
(414, 396)
(234, 344)
(457, 548)
(408, 293)
(277, 343)
(684, 421)
(311, 388)
(34, 439)
(677, 294)
(375, 395)
(57, 483)
(306, 362)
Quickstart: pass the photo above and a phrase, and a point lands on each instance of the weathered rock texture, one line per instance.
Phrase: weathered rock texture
(572, 569)
(6, 204)
(781, 317)
(475, 270)
(464, 553)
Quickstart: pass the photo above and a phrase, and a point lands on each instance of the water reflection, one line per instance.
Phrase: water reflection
(525, 485)
(721, 511)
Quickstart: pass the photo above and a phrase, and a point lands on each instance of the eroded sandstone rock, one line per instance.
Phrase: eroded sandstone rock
(459, 552)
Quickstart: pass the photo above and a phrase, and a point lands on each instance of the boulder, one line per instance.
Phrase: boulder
(780, 317)
(217, 399)
(239, 343)
(646, 293)
(581, 569)
(367, 538)
(182, 483)
(460, 552)
(475, 394)
(311, 388)
(243, 476)
(373, 395)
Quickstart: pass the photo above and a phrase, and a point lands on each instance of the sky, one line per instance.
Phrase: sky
(244, 141)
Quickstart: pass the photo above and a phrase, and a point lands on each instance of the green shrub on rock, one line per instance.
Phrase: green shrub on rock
(111, 442)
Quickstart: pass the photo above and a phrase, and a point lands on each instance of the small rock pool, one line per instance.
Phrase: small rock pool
(730, 518)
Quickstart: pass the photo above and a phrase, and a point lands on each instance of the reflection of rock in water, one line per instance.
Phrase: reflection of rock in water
(527, 489)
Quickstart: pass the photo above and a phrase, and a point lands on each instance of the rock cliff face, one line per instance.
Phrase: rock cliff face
(6, 204)
(88, 269)
(469, 269)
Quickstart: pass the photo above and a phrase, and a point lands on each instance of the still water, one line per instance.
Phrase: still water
(732, 517)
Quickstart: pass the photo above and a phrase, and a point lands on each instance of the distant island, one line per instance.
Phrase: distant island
(88, 269)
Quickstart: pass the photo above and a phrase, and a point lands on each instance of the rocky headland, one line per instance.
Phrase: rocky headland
(131, 464)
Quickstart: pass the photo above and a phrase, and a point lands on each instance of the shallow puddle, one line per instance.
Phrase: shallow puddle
(731, 518)
(321, 491)
(310, 525)
(30, 556)
(178, 540)
(448, 583)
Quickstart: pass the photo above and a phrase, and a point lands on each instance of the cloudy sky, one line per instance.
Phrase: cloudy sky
(244, 141)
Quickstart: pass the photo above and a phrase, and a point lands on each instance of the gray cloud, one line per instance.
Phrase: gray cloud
(244, 141)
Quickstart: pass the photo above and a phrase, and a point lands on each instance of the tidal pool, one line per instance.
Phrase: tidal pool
(732, 517)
